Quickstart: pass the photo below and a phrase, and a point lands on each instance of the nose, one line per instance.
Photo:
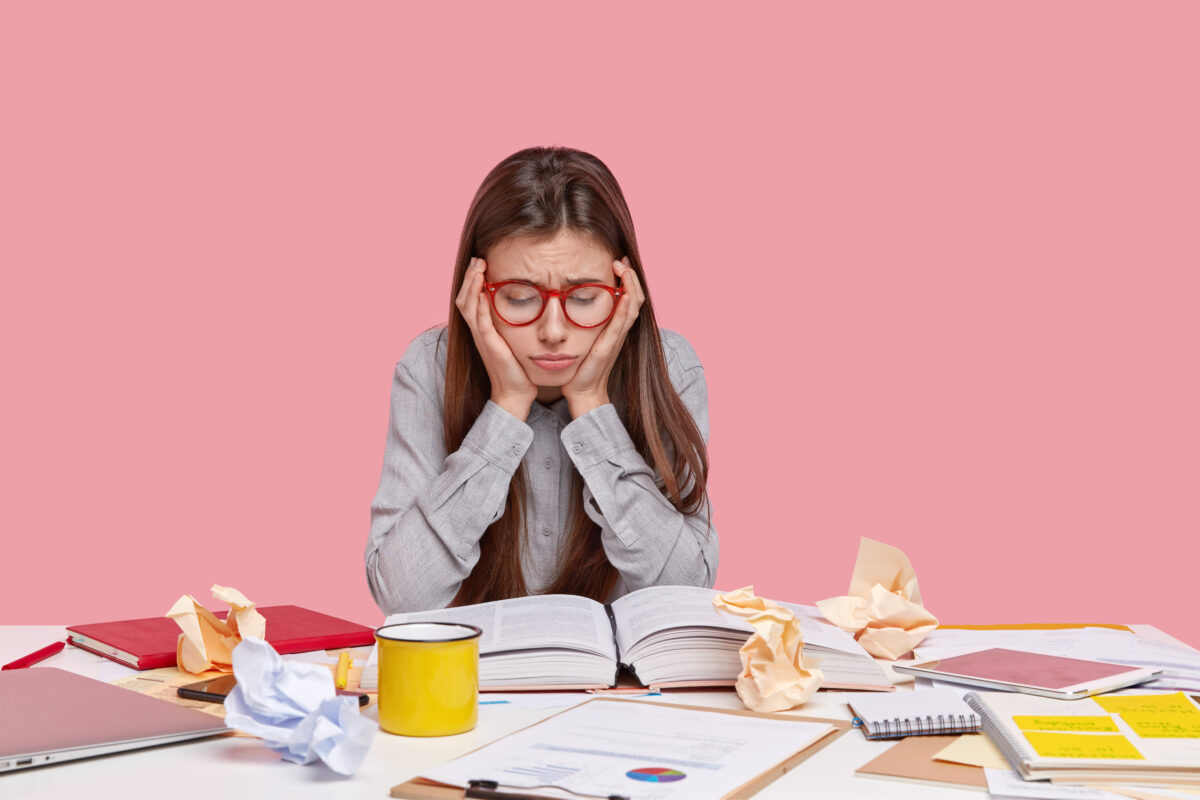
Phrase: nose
(552, 327)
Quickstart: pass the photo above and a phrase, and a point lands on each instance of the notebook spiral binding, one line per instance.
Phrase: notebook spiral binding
(941, 725)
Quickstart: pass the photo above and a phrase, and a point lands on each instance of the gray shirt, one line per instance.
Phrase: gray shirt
(432, 508)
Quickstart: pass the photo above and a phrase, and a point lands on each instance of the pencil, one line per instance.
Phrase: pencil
(343, 670)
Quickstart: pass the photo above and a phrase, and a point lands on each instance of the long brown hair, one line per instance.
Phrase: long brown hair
(537, 193)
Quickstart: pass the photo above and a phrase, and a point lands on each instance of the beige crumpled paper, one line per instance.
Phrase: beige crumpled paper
(207, 642)
(883, 608)
(775, 675)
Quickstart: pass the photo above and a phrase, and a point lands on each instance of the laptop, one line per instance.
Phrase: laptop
(51, 716)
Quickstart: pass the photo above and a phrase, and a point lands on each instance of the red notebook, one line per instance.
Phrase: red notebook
(150, 643)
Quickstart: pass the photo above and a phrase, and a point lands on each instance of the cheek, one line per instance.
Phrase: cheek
(513, 337)
(588, 338)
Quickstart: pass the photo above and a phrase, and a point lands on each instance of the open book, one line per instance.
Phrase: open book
(665, 635)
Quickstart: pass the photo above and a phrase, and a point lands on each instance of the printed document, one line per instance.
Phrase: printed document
(638, 750)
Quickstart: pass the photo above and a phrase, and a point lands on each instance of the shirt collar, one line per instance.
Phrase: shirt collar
(557, 410)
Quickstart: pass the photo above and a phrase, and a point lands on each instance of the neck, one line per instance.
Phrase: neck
(548, 395)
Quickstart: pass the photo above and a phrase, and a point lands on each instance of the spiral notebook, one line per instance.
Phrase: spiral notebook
(922, 712)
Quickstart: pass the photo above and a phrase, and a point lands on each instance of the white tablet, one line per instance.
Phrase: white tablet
(1032, 673)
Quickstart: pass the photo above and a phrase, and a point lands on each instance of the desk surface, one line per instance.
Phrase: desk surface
(242, 767)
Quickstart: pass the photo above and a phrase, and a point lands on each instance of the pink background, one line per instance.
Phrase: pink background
(939, 259)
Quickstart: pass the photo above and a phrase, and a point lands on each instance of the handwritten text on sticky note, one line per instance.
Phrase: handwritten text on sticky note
(1164, 726)
(1147, 704)
(1080, 724)
(1081, 745)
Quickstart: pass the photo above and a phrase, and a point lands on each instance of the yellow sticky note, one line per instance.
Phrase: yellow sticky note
(1181, 725)
(1081, 745)
(1147, 704)
(1079, 724)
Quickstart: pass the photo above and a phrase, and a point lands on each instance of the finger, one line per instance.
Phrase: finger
(491, 338)
(464, 291)
(613, 334)
(633, 298)
(630, 282)
(468, 297)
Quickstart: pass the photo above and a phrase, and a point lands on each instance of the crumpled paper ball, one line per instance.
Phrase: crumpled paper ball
(207, 641)
(775, 675)
(883, 607)
(295, 709)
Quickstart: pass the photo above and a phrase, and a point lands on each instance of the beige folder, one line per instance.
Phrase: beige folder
(421, 789)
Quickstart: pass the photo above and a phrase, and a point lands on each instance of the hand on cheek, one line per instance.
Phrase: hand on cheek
(511, 388)
(588, 388)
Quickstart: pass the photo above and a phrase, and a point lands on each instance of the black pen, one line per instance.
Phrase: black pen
(489, 790)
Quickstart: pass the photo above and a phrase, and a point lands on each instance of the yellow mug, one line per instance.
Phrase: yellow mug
(428, 678)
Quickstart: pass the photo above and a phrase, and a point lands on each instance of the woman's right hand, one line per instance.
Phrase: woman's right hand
(511, 388)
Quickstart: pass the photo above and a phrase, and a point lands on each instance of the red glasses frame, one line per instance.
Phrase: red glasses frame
(616, 291)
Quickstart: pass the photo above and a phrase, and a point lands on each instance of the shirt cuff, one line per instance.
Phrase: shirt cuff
(597, 436)
(499, 437)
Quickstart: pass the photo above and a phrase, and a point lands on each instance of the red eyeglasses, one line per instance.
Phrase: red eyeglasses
(587, 305)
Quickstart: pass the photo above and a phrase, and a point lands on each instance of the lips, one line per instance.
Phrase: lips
(553, 361)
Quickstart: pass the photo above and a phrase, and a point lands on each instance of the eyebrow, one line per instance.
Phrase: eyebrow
(566, 282)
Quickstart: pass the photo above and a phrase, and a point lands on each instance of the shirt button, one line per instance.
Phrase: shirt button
(516, 450)
(578, 448)
(546, 530)
(549, 464)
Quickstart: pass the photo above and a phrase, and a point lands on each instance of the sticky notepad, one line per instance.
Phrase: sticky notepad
(1147, 703)
(1175, 725)
(1081, 745)
(1078, 724)
(1156, 716)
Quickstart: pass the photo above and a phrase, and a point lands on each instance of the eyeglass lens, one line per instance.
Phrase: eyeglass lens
(586, 306)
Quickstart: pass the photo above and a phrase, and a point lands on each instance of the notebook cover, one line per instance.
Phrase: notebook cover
(290, 629)
(911, 759)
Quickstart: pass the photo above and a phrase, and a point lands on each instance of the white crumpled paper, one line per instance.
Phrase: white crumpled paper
(293, 707)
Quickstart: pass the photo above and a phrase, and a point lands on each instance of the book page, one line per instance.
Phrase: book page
(524, 623)
(658, 608)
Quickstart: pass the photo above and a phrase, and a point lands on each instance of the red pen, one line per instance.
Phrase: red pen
(34, 658)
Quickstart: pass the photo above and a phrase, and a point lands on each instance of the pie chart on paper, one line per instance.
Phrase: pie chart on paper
(656, 774)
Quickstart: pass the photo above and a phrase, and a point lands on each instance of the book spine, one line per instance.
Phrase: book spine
(1011, 748)
(146, 662)
(357, 639)
(612, 623)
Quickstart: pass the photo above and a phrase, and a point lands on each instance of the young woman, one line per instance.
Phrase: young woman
(550, 439)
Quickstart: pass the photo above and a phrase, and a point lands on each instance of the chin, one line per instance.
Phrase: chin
(552, 378)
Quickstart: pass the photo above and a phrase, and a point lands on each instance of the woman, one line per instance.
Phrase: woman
(550, 439)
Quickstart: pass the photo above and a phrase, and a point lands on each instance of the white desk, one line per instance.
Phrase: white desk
(244, 768)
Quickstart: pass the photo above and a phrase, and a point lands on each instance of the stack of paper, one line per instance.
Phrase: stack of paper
(1180, 665)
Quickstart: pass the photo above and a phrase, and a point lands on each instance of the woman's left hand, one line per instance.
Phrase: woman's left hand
(588, 388)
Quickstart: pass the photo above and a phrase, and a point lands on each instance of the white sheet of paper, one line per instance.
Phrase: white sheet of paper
(537, 700)
(1008, 783)
(599, 747)
(1181, 666)
(946, 642)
